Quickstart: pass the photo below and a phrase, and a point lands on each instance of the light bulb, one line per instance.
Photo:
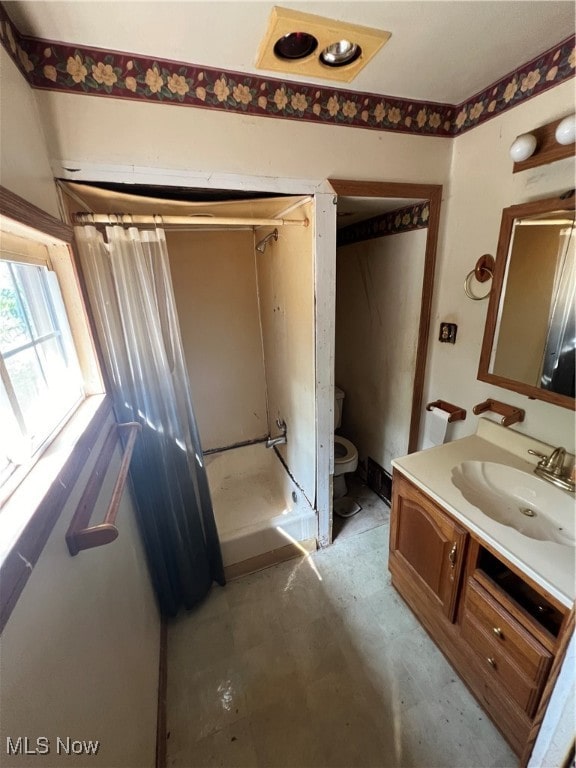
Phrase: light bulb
(523, 147)
(566, 130)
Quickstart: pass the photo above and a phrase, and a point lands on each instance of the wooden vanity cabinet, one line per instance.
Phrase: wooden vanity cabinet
(428, 545)
(498, 629)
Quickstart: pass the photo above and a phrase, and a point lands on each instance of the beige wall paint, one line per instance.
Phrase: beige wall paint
(79, 654)
(475, 169)
(24, 166)
(532, 266)
(97, 130)
(378, 297)
(214, 278)
(482, 184)
(286, 289)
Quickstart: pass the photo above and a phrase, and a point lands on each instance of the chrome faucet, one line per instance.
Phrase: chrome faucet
(272, 441)
(552, 469)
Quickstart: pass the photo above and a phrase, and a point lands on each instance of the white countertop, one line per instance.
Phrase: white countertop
(550, 565)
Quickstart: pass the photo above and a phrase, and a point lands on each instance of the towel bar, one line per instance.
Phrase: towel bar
(80, 535)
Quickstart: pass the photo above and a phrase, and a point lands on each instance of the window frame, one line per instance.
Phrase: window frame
(29, 514)
(14, 254)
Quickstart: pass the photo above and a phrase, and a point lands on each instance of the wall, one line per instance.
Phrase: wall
(101, 131)
(24, 166)
(286, 290)
(476, 164)
(556, 737)
(97, 130)
(482, 184)
(79, 654)
(378, 297)
(214, 279)
(84, 131)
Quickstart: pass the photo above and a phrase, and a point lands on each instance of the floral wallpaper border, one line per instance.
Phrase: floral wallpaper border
(551, 68)
(75, 69)
(391, 223)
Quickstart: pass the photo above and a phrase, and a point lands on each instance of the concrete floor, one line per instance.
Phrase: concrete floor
(374, 511)
(318, 663)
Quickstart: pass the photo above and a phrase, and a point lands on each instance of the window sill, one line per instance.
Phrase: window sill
(30, 513)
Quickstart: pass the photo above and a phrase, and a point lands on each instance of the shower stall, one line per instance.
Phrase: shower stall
(245, 302)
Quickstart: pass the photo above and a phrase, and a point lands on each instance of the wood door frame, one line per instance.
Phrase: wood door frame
(432, 193)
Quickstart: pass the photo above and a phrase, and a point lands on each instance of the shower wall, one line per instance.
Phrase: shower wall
(286, 288)
(214, 278)
(247, 325)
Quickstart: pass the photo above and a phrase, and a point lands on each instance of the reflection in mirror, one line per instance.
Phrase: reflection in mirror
(539, 288)
(530, 335)
(559, 353)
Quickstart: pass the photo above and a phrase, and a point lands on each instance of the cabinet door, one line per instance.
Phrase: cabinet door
(427, 544)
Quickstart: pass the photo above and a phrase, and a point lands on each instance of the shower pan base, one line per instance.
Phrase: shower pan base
(262, 517)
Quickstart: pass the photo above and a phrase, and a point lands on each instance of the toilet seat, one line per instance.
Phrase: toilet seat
(345, 456)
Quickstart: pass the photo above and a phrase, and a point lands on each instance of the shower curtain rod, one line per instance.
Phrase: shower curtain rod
(214, 221)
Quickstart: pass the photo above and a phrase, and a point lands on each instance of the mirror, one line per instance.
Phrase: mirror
(530, 333)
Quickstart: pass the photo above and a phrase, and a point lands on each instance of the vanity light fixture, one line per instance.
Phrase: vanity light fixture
(566, 130)
(545, 144)
(523, 147)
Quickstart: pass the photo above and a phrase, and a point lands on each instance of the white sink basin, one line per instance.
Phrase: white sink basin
(521, 500)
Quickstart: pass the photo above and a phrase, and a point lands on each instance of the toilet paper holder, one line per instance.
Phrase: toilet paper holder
(456, 413)
(510, 414)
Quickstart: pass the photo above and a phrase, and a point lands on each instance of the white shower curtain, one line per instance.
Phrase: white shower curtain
(127, 276)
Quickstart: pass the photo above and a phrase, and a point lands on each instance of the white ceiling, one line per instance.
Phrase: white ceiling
(440, 50)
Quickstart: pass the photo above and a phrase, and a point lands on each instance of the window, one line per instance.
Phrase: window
(40, 379)
(53, 406)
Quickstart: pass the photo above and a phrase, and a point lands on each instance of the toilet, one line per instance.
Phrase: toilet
(345, 453)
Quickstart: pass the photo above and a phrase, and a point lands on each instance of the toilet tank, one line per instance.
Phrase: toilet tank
(338, 404)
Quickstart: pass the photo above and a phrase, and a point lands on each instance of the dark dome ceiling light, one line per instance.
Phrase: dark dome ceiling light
(296, 45)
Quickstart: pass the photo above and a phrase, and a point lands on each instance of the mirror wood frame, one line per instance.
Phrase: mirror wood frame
(506, 228)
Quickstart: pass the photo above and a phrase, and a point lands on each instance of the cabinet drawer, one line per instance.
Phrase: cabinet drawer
(496, 666)
(509, 637)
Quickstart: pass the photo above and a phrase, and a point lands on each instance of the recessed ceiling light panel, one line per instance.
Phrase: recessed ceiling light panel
(304, 44)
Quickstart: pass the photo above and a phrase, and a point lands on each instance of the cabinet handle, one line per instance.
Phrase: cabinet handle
(491, 661)
(497, 631)
(452, 555)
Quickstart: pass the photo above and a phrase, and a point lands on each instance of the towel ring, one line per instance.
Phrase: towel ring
(483, 271)
(468, 290)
